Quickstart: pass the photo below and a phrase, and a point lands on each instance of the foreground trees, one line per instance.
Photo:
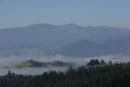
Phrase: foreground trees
(99, 74)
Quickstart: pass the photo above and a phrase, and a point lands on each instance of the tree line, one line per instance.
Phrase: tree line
(93, 74)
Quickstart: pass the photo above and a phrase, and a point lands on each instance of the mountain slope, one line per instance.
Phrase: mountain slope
(85, 48)
(81, 48)
(120, 46)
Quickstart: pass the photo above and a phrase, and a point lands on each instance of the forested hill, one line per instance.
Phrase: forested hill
(94, 74)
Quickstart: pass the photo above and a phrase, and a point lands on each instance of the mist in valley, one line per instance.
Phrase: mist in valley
(8, 63)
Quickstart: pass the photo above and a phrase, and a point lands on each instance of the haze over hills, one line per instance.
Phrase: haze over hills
(69, 40)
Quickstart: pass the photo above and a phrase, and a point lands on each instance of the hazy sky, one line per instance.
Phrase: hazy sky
(84, 12)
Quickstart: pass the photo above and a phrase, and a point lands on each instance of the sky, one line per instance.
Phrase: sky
(14, 13)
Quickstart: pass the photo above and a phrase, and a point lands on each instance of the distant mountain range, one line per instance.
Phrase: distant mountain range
(67, 40)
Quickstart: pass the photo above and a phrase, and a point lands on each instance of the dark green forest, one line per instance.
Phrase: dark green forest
(93, 74)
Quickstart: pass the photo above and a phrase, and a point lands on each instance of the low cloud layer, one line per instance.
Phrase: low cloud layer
(10, 61)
